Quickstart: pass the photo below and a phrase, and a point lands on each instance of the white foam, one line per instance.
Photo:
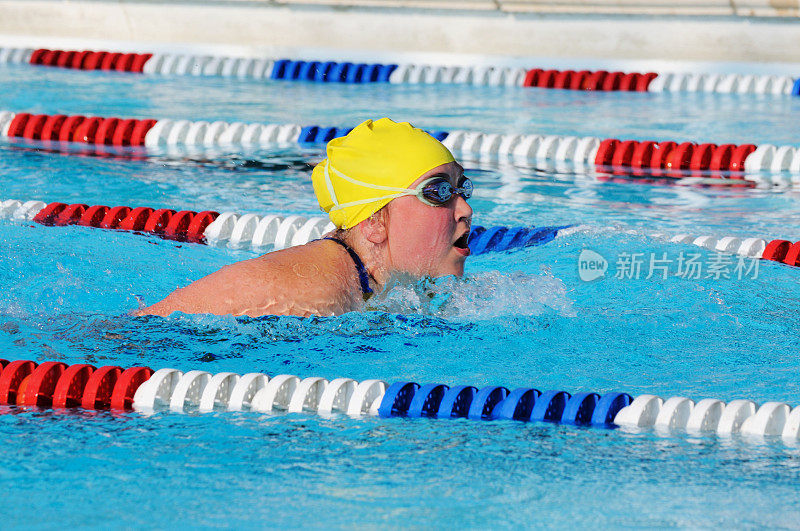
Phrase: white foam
(478, 296)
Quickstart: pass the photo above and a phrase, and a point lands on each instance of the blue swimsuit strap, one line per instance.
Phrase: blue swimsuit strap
(363, 276)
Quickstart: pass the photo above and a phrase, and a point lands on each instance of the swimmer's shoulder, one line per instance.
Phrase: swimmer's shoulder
(307, 261)
(317, 264)
(315, 278)
(303, 280)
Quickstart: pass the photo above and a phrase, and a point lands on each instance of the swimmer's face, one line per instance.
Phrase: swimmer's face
(426, 240)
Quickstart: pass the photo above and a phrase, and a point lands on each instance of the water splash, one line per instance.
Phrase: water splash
(480, 296)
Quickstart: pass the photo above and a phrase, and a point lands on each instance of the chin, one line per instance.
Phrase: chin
(456, 269)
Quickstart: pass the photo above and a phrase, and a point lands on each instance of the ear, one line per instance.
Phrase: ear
(374, 227)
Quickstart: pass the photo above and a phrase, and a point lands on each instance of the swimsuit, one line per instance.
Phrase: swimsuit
(363, 276)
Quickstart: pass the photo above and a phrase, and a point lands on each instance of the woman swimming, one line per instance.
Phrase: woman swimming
(398, 199)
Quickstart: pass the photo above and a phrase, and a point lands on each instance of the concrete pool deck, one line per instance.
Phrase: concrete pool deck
(712, 31)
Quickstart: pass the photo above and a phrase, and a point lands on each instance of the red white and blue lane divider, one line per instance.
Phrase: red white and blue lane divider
(660, 159)
(59, 386)
(236, 231)
(348, 72)
(278, 232)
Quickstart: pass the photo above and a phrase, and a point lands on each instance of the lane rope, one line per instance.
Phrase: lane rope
(51, 384)
(275, 232)
(349, 72)
(764, 164)
(236, 231)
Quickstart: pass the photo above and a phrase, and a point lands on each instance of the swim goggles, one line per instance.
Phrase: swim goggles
(437, 191)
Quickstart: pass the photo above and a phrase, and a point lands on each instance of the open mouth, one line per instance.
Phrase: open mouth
(461, 243)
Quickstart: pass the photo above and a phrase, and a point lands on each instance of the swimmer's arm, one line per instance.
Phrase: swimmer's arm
(236, 289)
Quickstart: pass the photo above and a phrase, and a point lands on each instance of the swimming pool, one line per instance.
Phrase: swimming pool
(521, 318)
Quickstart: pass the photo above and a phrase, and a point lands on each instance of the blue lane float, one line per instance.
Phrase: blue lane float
(579, 408)
(426, 400)
(331, 71)
(438, 135)
(484, 402)
(456, 402)
(497, 239)
(549, 407)
(525, 404)
(316, 134)
(397, 399)
(608, 407)
(338, 73)
(518, 405)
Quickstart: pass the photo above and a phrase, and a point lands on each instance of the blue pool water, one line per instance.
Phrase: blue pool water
(518, 318)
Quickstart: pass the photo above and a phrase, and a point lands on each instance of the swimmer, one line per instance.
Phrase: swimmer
(398, 199)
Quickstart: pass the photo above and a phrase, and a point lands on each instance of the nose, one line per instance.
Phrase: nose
(463, 212)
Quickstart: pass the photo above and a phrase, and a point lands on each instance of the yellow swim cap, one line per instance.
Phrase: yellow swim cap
(372, 165)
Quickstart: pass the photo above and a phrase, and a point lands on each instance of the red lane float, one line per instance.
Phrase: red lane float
(68, 391)
(127, 384)
(52, 127)
(88, 60)
(673, 156)
(54, 384)
(136, 220)
(777, 250)
(10, 379)
(185, 225)
(87, 130)
(588, 80)
(792, 256)
(99, 387)
(113, 217)
(37, 389)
